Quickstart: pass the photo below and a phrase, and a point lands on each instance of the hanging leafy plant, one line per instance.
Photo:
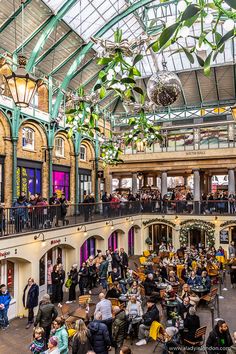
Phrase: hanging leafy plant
(110, 152)
(84, 116)
(210, 15)
(143, 132)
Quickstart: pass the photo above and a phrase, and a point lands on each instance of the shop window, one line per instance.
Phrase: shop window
(61, 183)
(60, 147)
(28, 180)
(83, 153)
(85, 184)
(28, 138)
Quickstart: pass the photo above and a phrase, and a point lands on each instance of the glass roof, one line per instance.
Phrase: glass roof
(86, 17)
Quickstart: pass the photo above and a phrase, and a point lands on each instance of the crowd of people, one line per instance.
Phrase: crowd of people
(158, 299)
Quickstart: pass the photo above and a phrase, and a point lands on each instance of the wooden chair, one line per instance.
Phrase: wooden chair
(200, 336)
(84, 300)
(114, 302)
(211, 297)
(156, 260)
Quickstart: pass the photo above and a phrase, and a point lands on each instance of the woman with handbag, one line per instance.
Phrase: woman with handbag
(73, 275)
(81, 340)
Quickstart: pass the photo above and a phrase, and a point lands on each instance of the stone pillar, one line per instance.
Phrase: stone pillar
(231, 179)
(196, 185)
(209, 183)
(154, 180)
(202, 179)
(163, 183)
(134, 183)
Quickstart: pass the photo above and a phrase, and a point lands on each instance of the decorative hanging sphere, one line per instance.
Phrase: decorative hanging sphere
(163, 88)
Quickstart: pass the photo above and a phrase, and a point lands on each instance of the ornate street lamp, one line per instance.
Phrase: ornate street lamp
(21, 84)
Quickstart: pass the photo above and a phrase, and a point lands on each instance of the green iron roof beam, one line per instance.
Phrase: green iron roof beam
(33, 35)
(82, 68)
(165, 4)
(14, 15)
(54, 46)
(217, 89)
(64, 62)
(89, 45)
(48, 30)
(92, 77)
(116, 105)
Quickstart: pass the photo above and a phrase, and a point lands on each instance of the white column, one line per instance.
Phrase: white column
(134, 183)
(163, 183)
(231, 181)
(196, 185)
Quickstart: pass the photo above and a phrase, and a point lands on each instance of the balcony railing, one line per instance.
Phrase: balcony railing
(18, 220)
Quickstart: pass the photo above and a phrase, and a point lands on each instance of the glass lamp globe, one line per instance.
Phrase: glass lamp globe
(163, 88)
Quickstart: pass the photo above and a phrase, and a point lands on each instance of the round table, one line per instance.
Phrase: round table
(161, 286)
(123, 299)
(200, 290)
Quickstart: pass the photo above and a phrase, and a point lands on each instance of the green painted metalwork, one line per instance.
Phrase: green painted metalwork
(93, 77)
(217, 89)
(116, 105)
(77, 139)
(50, 94)
(33, 35)
(14, 15)
(49, 29)
(64, 62)
(89, 45)
(54, 46)
(82, 68)
(198, 86)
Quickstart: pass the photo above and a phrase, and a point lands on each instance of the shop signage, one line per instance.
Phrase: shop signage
(194, 153)
(4, 254)
(55, 242)
(224, 236)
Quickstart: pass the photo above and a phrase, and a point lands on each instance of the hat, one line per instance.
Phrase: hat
(54, 341)
(2, 286)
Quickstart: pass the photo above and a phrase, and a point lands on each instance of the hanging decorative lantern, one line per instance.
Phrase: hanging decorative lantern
(21, 84)
(163, 88)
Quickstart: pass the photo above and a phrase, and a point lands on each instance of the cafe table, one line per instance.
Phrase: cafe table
(161, 286)
(200, 290)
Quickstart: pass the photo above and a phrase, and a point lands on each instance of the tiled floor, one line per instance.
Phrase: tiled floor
(16, 338)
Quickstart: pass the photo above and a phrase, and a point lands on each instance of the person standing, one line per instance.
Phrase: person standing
(49, 276)
(47, 313)
(53, 346)
(59, 331)
(232, 250)
(119, 327)
(83, 280)
(30, 300)
(116, 259)
(63, 209)
(102, 273)
(99, 335)
(73, 275)
(92, 274)
(81, 343)
(37, 346)
(105, 308)
(62, 276)
(124, 262)
(219, 339)
(5, 299)
(56, 288)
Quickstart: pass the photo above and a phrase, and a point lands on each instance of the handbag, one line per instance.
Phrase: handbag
(68, 283)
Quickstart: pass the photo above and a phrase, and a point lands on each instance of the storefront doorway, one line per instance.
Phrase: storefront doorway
(196, 237)
(160, 233)
(113, 241)
(87, 249)
(233, 234)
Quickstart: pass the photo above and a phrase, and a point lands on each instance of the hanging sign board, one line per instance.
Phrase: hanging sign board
(224, 236)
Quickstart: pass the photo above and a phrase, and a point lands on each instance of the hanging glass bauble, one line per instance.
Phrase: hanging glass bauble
(163, 88)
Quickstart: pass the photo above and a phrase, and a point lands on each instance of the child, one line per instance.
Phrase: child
(5, 300)
(37, 346)
(53, 346)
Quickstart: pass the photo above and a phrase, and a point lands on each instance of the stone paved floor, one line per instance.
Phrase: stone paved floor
(16, 338)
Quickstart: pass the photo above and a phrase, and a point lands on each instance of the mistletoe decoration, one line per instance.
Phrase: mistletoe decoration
(188, 225)
(110, 153)
(83, 117)
(210, 15)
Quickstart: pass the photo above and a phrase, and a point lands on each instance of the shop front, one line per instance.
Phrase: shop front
(160, 233)
(61, 181)
(28, 177)
(85, 183)
(113, 241)
(87, 249)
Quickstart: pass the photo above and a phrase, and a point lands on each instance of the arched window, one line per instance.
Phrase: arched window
(60, 147)
(28, 138)
(83, 153)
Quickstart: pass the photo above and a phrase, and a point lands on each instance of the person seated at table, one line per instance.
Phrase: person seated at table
(115, 275)
(183, 308)
(191, 324)
(220, 251)
(169, 294)
(150, 285)
(171, 343)
(186, 292)
(113, 291)
(205, 281)
(170, 247)
(193, 280)
(134, 290)
(185, 273)
(162, 247)
(151, 315)
(173, 277)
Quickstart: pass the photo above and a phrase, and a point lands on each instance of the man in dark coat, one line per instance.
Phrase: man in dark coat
(116, 259)
(124, 262)
(30, 299)
(119, 327)
(151, 315)
(219, 339)
(100, 339)
(47, 313)
(183, 308)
